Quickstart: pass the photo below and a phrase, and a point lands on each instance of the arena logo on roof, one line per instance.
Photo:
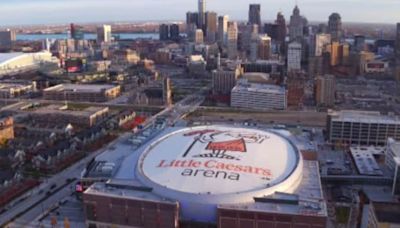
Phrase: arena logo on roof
(218, 145)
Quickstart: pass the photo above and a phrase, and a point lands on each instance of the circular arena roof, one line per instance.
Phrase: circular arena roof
(202, 167)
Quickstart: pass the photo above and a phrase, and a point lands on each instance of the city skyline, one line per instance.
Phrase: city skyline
(51, 12)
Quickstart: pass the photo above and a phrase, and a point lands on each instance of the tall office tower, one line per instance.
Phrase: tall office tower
(325, 90)
(281, 22)
(272, 30)
(250, 31)
(359, 43)
(335, 27)
(319, 44)
(201, 12)
(199, 36)
(223, 30)
(76, 32)
(232, 40)
(211, 26)
(260, 48)
(192, 19)
(296, 25)
(294, 56)
(164, 32)
(104, 34)
(334, 49)
(174, 32)
(344, 53)
(397, 53)
(255, 15)
(7, 38)
(167, 91)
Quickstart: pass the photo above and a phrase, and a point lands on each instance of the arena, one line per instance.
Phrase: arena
(208, 176)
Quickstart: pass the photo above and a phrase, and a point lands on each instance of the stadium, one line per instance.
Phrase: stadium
(207, 176)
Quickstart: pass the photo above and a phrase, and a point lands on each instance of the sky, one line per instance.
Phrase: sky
(20, 12)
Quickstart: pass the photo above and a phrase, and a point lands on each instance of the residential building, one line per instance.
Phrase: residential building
(325, 90)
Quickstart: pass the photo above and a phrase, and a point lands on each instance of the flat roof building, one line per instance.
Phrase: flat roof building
(13, 90)
(211, 175)
(84, 93)
(383, 214)
(362, 127)
(258, 96)
(86, 117)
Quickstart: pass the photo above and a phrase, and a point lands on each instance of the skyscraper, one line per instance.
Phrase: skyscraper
(325, 90)
(76, 32)
(359, 43)
(255, 15)
(281, 22)
(297, 24)
(232, 40)
(294, 56)
(397, 51)
(211, 26)
(104, 33)
(250, 31)
(320, 42)
(199, 36)
(174, 32)
(201, 16)
(335, 27)
(222, 29)
(7, 38)
(264, 47)
(192, 19)
(164, 32)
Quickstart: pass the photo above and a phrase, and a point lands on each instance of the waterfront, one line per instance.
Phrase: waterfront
(88, 36)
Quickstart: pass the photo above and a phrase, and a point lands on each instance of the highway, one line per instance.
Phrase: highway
(27, 212)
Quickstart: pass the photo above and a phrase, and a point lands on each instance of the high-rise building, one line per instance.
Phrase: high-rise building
(223, 29)
(76, 32)
(264, 47)
(201, 14)
(7, 38)
(199, 36)
(174, 33)
(232, 40)
(397, 53)
(104, 34)
(335, 27)
(164, 32)
(281, 22)
(296, 25)
(272, 30)
(359, 43)
(321, 41)
(211, 26)
(223, 80)
(325, 90)
(167, 91)
(250, 32)
(255, 15)
(294, 56)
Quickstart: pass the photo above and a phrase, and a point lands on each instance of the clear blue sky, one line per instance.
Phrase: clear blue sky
(13, 12)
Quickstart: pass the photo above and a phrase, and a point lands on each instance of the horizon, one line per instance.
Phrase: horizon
(59, 12)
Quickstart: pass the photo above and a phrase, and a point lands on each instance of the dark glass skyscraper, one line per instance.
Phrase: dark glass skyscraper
(255, 14)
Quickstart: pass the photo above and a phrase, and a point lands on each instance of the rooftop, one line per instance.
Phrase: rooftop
(365, 161)
(80, 88)
(387, 212)
(8, 56)
(62, 109)
(363, 117)
(257, 87)
(13, 86)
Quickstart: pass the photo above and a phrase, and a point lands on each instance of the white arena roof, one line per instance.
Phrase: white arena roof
(219, 160)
